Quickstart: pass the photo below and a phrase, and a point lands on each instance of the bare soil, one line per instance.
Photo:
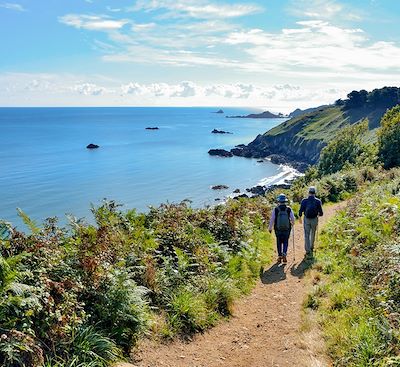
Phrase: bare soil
(267, 327)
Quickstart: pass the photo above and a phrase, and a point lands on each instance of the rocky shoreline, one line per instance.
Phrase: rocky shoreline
(248, 152)
(244, 151)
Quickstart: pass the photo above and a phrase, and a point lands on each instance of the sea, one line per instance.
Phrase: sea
(46, 170)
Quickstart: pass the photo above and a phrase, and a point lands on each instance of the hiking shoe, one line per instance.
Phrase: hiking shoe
(284, 259)
(279, 259)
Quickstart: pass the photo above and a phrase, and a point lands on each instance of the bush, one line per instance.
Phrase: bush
(389, 138)
(346, 147)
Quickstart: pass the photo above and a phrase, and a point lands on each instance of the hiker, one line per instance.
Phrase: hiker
(312, 209)
(282, 220)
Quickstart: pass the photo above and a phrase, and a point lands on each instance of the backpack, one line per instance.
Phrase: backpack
(311, 208)
(282, 219)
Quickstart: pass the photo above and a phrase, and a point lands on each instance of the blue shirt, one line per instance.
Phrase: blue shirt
(305, 202)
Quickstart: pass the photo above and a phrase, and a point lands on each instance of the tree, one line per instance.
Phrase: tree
(344, 149)
(389, 138)
(356, 99)
(386, 97)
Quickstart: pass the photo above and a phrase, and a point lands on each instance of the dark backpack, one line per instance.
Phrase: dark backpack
(282, 219)
(312, 208)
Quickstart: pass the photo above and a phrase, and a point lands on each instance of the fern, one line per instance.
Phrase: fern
(30, 223)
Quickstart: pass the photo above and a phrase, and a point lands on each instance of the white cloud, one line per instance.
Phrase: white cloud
(93, 22)
(23, 89)
(197, 9)
(324, 9)
(185, 89)
(88, 89)
(318, 47)
(140, 27)
(12, 6)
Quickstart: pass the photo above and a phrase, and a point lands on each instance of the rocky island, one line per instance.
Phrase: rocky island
(262, 115)
(220, 187)
(152, 128)
(215, 131)
(92, 146)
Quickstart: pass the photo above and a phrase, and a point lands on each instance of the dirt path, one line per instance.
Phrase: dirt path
(265, 330)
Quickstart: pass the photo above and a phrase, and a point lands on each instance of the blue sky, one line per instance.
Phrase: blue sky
(271, 54)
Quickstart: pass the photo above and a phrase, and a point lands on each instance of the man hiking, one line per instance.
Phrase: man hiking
(282, 220)
(312, 209)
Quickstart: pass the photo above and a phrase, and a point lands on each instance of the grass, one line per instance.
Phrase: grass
(356, 292)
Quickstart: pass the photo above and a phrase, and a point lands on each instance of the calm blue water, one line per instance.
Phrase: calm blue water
(46, 170)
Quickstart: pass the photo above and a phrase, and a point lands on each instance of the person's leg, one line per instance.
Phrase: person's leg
(307, 230)
(313, 231)
(279, 245)
(285, 241)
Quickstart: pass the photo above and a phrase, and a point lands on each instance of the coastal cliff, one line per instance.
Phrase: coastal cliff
(299, 140)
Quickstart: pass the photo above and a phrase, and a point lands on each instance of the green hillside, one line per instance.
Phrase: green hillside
(302, 138)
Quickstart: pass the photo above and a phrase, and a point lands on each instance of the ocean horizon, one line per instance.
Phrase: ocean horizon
(47, 171)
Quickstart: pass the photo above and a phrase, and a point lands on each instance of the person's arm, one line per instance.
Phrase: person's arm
(272, 221)
(302, 207)
(320, 211)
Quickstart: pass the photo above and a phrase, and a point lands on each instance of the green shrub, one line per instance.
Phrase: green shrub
(389, 138)
(345, 148)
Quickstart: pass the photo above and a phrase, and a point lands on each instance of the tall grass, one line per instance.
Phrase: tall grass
(357, 295)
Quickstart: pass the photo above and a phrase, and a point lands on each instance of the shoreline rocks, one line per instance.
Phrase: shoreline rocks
(220, 153)
(92, 146)
(262, 190)
(247, 151)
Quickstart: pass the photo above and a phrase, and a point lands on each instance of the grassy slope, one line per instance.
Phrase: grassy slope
(324, 123)
(356, 292)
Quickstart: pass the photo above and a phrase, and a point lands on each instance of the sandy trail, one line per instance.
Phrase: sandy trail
(265, 330)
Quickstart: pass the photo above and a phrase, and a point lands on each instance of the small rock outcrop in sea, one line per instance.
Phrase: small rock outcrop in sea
(219, 111)
(220, 187)
(92, 146)
(236, 191)
(215, 131)
(260, 161)
(152, 128)
(220, 153)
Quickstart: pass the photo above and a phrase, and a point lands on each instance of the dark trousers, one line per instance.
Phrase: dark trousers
(282, 242)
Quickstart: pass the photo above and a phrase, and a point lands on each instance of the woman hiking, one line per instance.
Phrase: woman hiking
(282, 220)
